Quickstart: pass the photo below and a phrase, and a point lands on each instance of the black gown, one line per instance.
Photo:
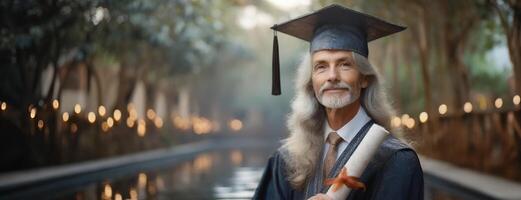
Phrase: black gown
(393, 173)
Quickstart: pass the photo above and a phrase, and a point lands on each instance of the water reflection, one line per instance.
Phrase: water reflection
(226, 174)
(243, 184)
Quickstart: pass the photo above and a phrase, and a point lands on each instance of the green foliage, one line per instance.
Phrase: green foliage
(486, 77)
(485, 74)
(164, 37)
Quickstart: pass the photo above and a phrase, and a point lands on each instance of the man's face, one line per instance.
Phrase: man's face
(336, 80)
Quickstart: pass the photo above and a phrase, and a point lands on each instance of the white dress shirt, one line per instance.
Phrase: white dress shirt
(347, 132)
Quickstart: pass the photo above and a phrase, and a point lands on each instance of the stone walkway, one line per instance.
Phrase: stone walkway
(492, 187)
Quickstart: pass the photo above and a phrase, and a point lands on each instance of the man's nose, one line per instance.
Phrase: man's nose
(332, 74)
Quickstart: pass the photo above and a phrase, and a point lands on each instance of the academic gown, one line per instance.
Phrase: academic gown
(393, 173)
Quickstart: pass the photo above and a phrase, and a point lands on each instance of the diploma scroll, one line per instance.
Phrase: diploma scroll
(361, 156)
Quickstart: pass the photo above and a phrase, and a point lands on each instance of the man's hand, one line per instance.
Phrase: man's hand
(320, 197)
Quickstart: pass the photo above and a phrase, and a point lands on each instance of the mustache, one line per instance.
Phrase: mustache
(339, 85)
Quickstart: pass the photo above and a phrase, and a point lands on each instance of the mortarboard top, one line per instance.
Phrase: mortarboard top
(332, 27)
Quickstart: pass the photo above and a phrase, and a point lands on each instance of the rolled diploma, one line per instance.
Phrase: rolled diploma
(360, 158)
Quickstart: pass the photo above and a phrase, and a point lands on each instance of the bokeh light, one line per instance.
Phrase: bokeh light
(40, 124)
(141, 128)
(32, 114)
(423, 117)
(55, 104)
(467, 107)
(77, 108)
(498, 103)
(110, 122)
(74, 128)
(396, 121)
(102, 110)
(442, 109)
(158, 122)
(65, 116)
(235, 124)
(117, 115)
(91, 117)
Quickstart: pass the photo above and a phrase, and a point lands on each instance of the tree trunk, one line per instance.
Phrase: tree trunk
(396, 83)
(514, 47)
(92, 73)
(126, 86)
(423, 46)
(456, 36)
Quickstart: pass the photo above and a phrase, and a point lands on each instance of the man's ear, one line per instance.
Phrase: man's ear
(366, 80)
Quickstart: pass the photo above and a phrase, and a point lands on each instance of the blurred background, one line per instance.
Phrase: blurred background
(170, 99)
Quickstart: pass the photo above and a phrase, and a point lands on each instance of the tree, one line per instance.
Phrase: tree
(509, 12)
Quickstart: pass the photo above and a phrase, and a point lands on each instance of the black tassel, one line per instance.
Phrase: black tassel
(275, 84)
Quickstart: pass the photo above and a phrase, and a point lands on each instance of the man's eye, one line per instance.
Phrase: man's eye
(346, 64)
(318, 67)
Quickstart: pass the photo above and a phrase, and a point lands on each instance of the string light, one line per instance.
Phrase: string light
(423, 117)
(65, 116)
(101, 110)
(132, 114)
(405, 117)
(33, 113)
(3, 106)
(77, 108)
(74, 128)
(410, 123)
(158, 122)
(202, 125)
(91, 117)
(181, 123)
(442, 109)
(141, 128)
(130, 106)
(40, 124)
(498, 103)
(151, 114)
(467, 107)
(130, 122)
(55, 104)
(396, 121)
(117, 115)
(104, 127)
(235, 124)
(110, 122)
(516, 100)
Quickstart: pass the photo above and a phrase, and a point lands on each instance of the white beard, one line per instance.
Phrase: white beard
(336, 101)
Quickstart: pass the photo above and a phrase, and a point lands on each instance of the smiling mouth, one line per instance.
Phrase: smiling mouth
(335, 90)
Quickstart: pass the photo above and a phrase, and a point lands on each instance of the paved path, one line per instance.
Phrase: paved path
(452, 177)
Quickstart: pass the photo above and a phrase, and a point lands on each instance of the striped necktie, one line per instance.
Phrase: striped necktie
(333, 139)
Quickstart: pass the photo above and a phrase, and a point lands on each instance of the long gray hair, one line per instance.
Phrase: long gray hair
(307, 117)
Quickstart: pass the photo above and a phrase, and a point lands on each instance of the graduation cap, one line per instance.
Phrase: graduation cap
(332, 27)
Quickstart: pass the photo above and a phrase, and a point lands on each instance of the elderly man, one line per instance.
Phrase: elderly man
(338, 98)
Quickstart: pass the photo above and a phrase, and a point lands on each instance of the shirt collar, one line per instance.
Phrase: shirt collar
(349, 130)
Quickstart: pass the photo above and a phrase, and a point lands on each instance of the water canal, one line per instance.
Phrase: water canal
(223, 173)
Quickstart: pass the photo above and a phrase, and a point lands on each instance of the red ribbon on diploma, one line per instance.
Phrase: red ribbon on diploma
(343, 179)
